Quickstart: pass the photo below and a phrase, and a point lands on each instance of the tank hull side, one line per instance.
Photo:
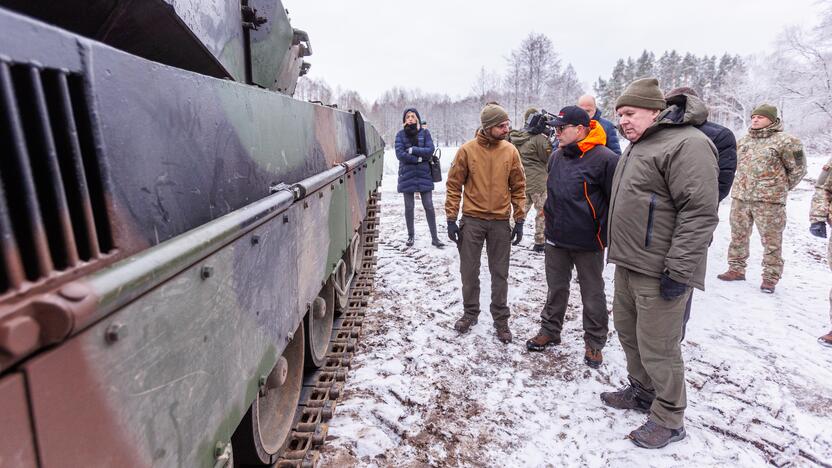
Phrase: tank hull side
(193, 350)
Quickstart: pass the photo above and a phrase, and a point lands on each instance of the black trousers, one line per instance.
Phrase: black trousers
(430, 214)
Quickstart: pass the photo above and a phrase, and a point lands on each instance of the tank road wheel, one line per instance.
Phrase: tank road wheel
(345, 272)
(267, 425)
(318, 324)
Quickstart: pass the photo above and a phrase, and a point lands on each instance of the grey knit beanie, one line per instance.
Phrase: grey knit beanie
(643, 93)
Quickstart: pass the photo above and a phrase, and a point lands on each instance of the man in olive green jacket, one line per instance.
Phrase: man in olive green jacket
(662, 215)
(534, 150)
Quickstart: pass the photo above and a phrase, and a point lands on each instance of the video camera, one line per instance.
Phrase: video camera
(541, 122)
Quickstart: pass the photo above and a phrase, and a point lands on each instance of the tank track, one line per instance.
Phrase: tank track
(323, 388)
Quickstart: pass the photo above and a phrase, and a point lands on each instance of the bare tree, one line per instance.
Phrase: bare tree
(531, 69)
(486, 86)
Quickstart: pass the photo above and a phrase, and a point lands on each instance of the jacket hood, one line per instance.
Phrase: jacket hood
(597, 136)
(766, 132)
(519, 137)
(485, 140)
(684, 109)
(418, 117)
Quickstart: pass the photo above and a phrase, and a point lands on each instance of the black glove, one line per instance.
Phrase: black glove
(818, 229)
(671, 289)
(517, 232)
(453, 232)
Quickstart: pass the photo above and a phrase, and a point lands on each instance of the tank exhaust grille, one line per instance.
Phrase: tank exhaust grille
(53, 214)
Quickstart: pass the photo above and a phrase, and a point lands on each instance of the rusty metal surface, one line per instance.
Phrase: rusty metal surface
(17, 448)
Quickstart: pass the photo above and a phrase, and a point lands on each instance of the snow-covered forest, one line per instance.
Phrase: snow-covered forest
(795, 75)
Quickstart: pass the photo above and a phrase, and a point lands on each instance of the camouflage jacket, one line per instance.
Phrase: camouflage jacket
(823, 195)
(770, 162)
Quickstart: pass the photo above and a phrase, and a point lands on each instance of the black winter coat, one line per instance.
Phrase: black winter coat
(578, 196)
(726, 146)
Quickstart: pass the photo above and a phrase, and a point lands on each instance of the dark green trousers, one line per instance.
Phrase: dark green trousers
(650, 330)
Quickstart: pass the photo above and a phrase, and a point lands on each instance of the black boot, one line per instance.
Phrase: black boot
(538, 248)
(437, 243)
(409, 241)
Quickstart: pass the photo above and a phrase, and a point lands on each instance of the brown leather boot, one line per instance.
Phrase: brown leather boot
(541, 341)
(503, 333)
(464, 324)
(652, 436)
(826, 340)
(593, 357)
(732, 275)
(768, 286)
(632, 397)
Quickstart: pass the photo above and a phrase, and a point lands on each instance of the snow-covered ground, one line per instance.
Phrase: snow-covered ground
(759, 385)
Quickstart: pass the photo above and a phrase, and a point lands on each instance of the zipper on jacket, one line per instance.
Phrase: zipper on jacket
(649, 234)
(594, 217)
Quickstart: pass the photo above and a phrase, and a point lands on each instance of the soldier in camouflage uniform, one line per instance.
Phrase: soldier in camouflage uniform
(534, 150)
(819, 216)
(770, 163)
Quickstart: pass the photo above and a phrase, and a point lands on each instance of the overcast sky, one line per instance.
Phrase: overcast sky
(441, 45)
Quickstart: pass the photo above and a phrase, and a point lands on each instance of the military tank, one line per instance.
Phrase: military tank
(184, 247)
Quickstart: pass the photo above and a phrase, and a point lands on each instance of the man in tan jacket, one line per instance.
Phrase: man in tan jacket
(489, 169)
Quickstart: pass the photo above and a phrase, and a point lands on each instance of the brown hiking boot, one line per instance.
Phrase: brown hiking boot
(503, 333)
(826, 340)
(464, 324)
(652, 436)
(632, 397)
(541, 341)
(593, 357)
(732, 275)
(768, 286)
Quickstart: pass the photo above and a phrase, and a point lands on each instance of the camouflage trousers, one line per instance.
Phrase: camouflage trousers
(770, 219)
(538, 200)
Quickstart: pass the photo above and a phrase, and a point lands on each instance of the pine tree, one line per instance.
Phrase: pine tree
(645, 65)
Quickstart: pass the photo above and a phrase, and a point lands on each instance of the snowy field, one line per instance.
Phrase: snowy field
(759, 385)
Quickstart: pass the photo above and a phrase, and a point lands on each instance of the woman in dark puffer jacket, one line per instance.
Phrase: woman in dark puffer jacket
(414, 148)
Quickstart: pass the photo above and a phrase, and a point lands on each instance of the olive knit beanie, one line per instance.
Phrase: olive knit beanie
(529, 112)
(766, 110)
(643, 93)
(492, 115)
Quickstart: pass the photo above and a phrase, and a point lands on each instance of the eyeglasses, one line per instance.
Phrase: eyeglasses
(560, 128)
